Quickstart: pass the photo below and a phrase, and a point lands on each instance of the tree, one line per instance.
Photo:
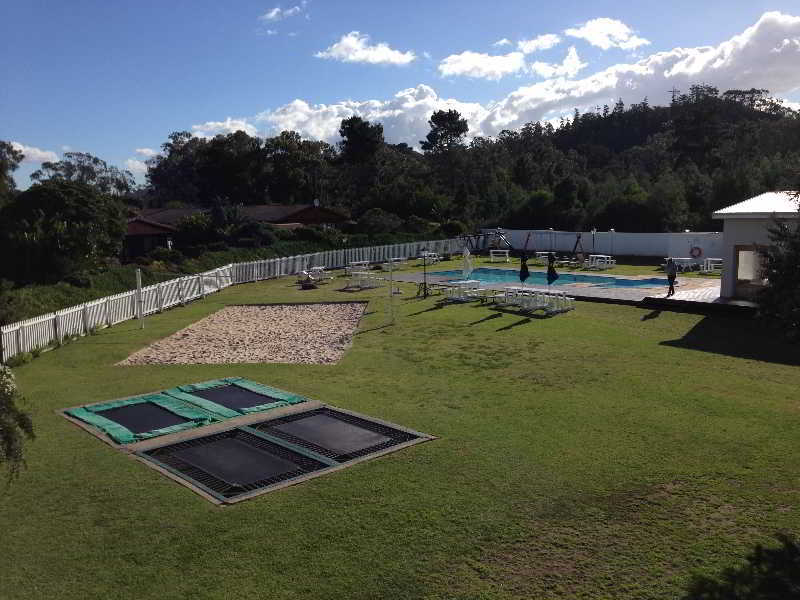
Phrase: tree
(10, 158)
(15, 424)
(81, 167)
(376, 220)
(447, 132)
(780, 301)
(58, 228)
(360, 140)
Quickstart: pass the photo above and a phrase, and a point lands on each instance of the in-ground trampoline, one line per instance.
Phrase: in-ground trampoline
(233, 463)
(234, 396)
(217, 437)
(336, 434)
(131, 420)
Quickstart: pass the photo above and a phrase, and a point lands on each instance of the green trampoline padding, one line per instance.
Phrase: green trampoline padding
(191, 416)
(276, 397)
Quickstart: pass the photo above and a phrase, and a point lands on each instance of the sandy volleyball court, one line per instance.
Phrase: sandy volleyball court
(287, 333)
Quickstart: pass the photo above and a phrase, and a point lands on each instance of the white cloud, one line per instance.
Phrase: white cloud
(427, 55)
(503, 42)
(33, 154)
(607, 33)
(354, 47)
(745, 60)
(404, 117)
(66, 148)
(792, 105)
(271, 32)
(212, 128)
(137, 167)
(278, 14)
(570, 66)
(481, 65)
(146, 152)
(541, 42)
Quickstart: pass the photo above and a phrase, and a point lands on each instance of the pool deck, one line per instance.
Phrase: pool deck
(691, 292)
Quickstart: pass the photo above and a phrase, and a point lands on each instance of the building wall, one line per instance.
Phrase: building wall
(619, 243)
(739, 232)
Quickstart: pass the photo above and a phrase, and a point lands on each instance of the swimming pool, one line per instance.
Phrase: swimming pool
(511, 276)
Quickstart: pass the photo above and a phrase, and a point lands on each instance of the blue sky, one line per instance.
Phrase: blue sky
(111, 78)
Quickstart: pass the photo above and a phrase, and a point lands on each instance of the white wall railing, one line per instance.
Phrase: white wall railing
(52, 328)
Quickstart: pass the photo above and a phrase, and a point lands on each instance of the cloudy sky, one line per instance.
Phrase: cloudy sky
(114, 79)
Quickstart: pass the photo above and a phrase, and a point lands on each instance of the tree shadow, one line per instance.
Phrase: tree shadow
(652, 315)
(768, 574)
(742, 338)
(435, 307)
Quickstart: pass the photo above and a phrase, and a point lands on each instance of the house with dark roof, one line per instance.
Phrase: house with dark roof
(155, 227)
(143, 235)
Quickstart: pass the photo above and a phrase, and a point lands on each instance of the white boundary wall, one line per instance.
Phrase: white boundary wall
(617, 243)
(44, 330)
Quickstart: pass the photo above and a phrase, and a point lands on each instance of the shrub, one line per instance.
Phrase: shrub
(165, 255)
(377, 220)
(14, 423)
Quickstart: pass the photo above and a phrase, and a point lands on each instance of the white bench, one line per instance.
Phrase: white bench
(499, 254)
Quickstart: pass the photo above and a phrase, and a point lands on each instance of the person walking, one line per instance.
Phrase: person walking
(672, 272)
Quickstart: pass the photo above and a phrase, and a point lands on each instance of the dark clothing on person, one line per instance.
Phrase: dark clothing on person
(672, 272)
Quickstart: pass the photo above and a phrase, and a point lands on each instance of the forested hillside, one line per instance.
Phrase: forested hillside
(634, 168)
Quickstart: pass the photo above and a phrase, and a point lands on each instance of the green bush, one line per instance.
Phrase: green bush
(166, 255)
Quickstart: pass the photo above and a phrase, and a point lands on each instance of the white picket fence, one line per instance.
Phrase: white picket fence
(45, 330)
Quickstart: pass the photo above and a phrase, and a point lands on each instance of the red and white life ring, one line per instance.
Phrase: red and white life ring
(696, 252)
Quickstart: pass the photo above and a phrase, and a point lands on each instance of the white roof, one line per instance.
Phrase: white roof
(780, 204)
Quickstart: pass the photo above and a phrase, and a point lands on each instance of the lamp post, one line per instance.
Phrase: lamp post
(612, 241)
(552, 233)
(594, 230)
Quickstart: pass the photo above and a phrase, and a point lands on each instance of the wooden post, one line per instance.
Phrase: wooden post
(202, 281)
(108, 311)
(55, 327)
(219, 287)
(139, 299)
(85, 319)
(2, 349)
(180, 292)
(20, 334)
(160, 297)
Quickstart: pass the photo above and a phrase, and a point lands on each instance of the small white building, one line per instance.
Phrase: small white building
(745, 235)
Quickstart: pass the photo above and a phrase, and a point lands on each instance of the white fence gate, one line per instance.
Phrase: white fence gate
(42, 331)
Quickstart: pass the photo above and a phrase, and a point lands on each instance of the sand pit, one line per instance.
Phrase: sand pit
(286, 333)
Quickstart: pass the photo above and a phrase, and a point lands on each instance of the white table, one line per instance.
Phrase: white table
(498, 253)
(431, 257)
(457, 290)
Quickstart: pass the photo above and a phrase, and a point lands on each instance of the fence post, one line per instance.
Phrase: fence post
(181, 292)
(85, 319)
(160, 297)
(216, 273)
(55, 328)
(201, 280)
(2, 349)
(108, 311)
(20, 334)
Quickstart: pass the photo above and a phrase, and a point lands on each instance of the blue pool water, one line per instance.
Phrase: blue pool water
(511, 276)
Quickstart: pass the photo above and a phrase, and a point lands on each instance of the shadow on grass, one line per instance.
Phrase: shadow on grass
(651, 315)
(769, 574)
(489, 318)
(384, 326)
(436, 307)
(742, 338)
(522, 322)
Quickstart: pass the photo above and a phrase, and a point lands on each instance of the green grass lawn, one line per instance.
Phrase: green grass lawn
(610, 452)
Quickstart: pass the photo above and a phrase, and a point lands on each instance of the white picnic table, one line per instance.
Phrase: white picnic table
(499, 254)
(683, 262)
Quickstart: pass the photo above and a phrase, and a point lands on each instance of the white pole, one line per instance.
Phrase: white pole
(391, 290)
(139, 310)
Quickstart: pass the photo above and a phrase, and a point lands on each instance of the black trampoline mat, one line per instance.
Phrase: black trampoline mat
(234, 397)
(331, 433)
(143, 417)
(235, 462)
